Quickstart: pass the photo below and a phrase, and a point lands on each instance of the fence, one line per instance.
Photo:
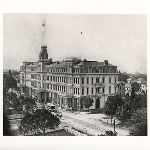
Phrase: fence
(72, 131)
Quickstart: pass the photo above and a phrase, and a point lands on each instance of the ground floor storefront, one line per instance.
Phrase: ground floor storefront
(64, 101)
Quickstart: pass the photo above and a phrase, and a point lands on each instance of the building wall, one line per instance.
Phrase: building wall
(62, 83)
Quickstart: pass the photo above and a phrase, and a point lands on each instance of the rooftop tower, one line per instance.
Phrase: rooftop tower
(43, 53)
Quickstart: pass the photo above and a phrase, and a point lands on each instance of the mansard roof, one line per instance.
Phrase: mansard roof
(93, 63)
(32, 66)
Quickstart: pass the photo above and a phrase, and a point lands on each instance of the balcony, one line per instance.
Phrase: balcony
(99, 84)
(99, 94)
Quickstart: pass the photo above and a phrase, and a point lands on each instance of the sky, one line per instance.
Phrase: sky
(121, 39)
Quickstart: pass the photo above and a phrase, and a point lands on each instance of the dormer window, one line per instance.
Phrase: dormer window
(103, 69)
(109, 70)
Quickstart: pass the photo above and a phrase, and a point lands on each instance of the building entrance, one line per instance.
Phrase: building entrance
(97, 103)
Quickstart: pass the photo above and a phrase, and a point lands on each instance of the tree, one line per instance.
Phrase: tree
(123, 77)
(110, 107)
(14, 102)
(41, 119)
(136, 86)
(9, 81)
(87, 101)
(6, 126)
(28, 104)
(46, 120)
(112, 104)
(26, 124)
(142, 100)
(139, 118)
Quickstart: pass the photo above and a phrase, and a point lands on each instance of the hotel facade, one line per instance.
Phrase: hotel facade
(66, 82)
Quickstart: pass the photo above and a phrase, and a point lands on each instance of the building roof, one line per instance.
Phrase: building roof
(132, 79)
(59, 63)
(32, 66)
(93, 63)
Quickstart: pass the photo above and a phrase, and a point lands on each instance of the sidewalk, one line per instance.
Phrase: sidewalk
(92, 123)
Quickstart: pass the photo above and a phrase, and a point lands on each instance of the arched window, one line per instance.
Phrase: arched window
(109, 79)
(76, 91)
(82, 91)
(92, 90)
(87, 90)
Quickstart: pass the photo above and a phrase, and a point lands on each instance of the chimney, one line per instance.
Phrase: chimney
(106, 62)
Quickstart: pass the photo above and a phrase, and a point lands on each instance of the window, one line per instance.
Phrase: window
(110, 80)
(47, 86)
(32, 83)
(39, 77)
(51, 78)
(103, 79)
(78, 91)
(120, 87)
(32, 76)
(103, 89)
(87, 91)
(110, 89)
(82, 80)
(74, 90)
(74, 80)
(97, 70)
(82, 91)
(91, 80)
(64, 89)
(78, 81)
(87, 80)
(47, 77)
(115, 89)
(102, 70)
(92, 90)
(115, 79)
(98, 90)
(56, 87)
(32, 69)
(109, 70)
(97, 80)
(39, 85)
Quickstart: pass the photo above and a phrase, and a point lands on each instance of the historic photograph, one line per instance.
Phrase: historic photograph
(74, 74)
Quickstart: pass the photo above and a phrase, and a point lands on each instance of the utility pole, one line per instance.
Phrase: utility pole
(114, 126)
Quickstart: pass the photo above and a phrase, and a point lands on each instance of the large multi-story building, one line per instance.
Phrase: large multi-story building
(65, 82)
